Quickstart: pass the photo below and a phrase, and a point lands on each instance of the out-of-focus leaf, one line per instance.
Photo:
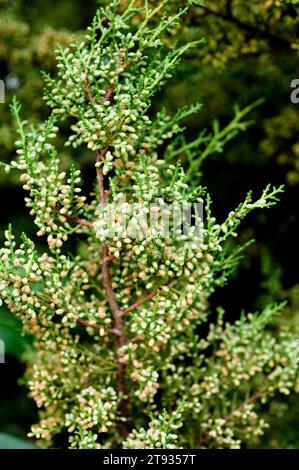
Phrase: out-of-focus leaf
(7, 441)
(10, 334)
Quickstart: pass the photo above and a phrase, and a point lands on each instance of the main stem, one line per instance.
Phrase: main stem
(117, 313)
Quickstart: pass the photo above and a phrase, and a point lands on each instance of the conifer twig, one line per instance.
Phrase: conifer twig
(79, 221)
(117, 313)
(149, 296)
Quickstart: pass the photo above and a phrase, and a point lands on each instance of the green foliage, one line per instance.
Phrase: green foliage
(8, 441)
(10, 334)
(122, 317)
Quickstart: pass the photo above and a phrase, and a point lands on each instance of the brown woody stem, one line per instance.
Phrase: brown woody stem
(117, 312)
(77, 220)
(144, 299)
(88, 324)
(87, 87)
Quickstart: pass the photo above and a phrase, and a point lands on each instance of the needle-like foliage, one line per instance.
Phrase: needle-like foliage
(126, 353)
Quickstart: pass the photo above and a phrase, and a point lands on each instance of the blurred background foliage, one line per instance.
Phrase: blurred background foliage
(251, 51)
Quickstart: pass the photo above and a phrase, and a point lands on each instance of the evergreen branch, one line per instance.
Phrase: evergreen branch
(149, 296)
(118, 324)
(256, 396)
(219, 138)
(105, 384)
(87, 87)
(250, 400)
(89, 324)
(78, 220)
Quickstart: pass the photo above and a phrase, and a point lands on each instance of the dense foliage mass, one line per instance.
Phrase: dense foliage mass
(127, 350)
